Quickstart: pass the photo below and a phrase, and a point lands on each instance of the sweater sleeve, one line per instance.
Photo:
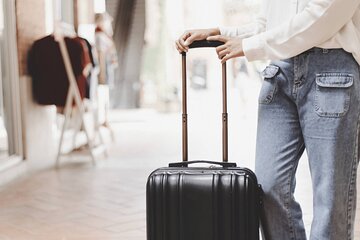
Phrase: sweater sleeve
(319, 21)
(250, 29)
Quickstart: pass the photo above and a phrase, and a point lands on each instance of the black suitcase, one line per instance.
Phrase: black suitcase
(200, 203)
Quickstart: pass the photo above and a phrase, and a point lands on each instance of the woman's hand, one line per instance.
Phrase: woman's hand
(231, 48)
(182, 44)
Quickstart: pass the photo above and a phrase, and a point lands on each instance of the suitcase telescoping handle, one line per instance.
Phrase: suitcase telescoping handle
(185, 164)
(198, 44)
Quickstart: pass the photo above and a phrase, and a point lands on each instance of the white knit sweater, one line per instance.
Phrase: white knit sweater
(286, 28)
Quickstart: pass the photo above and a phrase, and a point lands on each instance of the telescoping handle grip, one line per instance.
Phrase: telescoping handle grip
(197, 44)
(185, 164)
(205, 43)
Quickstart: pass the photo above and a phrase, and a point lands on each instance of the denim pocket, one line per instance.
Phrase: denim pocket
(268, 88)
(332, 98)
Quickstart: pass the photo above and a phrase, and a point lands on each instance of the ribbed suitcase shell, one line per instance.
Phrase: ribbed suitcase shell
(202, 204)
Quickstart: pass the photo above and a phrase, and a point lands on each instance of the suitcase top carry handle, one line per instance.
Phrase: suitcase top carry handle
(197, 44)
(184, 164)
(205, 43)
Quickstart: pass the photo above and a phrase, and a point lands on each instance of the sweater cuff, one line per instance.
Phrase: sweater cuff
(254, 48)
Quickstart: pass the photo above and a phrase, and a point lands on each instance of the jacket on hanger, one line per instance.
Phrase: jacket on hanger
(46, 66)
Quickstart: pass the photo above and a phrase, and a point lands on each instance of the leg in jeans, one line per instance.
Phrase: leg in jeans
(279, 147)
(328, 104)
(323, 87)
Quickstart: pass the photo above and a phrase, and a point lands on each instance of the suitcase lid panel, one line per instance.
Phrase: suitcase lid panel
(205, 171)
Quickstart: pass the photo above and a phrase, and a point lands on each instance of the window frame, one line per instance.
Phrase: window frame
(11, 86)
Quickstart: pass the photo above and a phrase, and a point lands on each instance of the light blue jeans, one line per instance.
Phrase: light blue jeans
(312, 102)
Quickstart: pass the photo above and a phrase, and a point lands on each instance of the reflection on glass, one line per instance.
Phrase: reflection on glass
(3, 132)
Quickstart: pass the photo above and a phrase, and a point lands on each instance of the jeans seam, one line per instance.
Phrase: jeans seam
(352, 178)
(351, 184)
(292, 175)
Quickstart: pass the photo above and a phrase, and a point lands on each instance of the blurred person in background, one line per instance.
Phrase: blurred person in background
(309, 100)
(106, 48)
(108, 60)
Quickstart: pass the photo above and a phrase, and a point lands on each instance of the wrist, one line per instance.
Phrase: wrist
(214, 32)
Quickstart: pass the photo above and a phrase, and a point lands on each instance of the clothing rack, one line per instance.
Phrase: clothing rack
(73, 100)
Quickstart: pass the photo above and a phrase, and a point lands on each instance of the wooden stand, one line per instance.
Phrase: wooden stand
(74, 101)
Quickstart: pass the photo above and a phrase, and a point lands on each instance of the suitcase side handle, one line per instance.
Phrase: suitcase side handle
(196, 44)
(185, 164)
(205, 43)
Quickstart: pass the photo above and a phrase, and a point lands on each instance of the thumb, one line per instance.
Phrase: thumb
(190, 40)
(220, 38)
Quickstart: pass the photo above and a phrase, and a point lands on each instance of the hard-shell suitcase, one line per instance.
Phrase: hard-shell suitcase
(200, 203)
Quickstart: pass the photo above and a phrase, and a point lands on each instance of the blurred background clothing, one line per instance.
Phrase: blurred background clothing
(107, 54)
(45, 65)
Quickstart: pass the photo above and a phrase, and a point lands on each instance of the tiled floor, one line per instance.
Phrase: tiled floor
(107, 202)
(77, 202)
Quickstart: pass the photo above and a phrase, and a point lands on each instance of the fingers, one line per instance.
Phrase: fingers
(183, 38)
(223, 53)
(220, 48)
(180, 47)
(188, 37)
(190, 40)
(227, 57)
(220, 38)
(180, 43)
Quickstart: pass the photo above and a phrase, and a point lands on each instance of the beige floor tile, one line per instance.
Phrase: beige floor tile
(94, 222)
